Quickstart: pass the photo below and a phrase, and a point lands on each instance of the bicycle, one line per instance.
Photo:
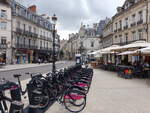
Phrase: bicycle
(36, 99)
(16, 105)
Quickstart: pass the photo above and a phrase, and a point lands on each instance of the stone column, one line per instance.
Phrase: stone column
(9, 57)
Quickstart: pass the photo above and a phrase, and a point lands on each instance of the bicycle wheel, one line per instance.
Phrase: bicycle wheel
(42, 99)
(74, 101)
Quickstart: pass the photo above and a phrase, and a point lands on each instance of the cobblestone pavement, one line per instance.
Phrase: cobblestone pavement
(111, 94)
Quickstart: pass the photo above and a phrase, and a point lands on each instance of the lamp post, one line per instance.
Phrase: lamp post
(54, 19)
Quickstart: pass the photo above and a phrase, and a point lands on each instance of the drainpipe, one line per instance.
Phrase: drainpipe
(11, 47)
(147, 19)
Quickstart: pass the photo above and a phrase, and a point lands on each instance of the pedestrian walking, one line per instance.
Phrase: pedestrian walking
(39, 60)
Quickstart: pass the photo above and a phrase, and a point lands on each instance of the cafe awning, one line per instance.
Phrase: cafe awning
(98, 55)
(108, 50)
(133, 46)
(127, 53)
(143, 51)
(93, 53)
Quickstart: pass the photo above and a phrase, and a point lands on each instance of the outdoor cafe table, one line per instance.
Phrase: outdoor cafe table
(125, 71)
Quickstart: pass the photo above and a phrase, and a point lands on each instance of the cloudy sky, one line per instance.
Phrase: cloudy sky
(71, 13)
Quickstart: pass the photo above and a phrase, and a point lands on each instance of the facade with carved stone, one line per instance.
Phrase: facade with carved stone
(30, 34)
(131, 22)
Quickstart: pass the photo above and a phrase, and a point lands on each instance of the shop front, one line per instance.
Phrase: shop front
(44, 56)
(3, 57)
(23, 56)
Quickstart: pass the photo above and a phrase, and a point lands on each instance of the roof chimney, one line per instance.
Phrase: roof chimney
(33, 8)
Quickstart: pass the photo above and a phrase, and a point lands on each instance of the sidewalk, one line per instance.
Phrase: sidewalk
(22, 66)
(111, 94)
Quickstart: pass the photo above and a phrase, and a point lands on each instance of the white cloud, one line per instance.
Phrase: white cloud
(72, 12)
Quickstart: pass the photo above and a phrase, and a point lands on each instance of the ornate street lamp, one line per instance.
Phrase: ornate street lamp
(54, 20)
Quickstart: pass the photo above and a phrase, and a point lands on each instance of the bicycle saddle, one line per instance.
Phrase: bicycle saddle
(17, 75)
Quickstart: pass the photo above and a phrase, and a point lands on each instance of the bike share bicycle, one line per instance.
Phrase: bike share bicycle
(16, 106)
(64, 86)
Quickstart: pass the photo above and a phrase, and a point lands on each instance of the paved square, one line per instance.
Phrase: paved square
(111, 94)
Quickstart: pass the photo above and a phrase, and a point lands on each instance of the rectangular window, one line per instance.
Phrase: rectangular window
(44, 44)
(24, 27)
(133, 18)
(34, 43)
(18, 24)
(126, 22)
(3, 13)
(126, 38)
(29, 42)
(121, 39)
(140, 34)
(44, 33)
(120, 22)
(133, 35)
(47, 44)
(24, 41)
(3, 25)
(140, 15)
(30, 28)
(92, 44)
(17, 40)
(116, 26)
(40, 43)
(34, 30)
(3, 40)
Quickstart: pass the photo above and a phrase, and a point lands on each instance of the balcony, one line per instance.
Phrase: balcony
(19, 31)
(125, 27)
(45, 49)
(133, 24)
(139, 22)
(34, 35)
(33, 47)
(3, 46)
(25, 46)
(115, 30)
(128, 42)
(41, 37)
(26, 33)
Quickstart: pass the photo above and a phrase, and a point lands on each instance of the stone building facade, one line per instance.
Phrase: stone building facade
(107, 38)
(131, 22)
(5, 31)
(30, 35)
(83, 42)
